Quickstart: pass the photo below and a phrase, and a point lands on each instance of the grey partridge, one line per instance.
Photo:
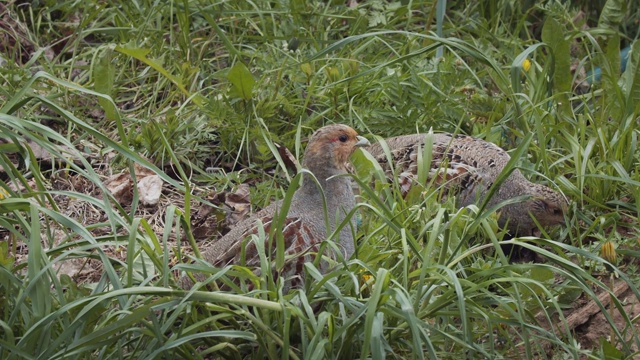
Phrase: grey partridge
(326, 157)
(467, 167)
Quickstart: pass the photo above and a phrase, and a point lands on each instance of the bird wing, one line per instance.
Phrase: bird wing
(297, 236)
(452, 168)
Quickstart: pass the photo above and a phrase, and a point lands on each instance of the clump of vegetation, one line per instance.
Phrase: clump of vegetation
(200, 94)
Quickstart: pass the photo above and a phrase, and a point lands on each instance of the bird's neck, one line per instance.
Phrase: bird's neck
(340, 200)
(330, 184)
(333, 187)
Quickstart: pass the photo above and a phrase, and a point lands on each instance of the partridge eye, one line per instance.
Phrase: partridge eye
(343, 138)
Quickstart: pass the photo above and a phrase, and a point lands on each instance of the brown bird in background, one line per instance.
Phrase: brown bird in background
(467, 168)
(304, 229)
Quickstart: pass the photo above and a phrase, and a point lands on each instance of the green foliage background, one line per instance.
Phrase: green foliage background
(199, 92)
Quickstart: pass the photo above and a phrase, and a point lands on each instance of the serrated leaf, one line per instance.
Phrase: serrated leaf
(612, 14)
(377, 18)
(242, 81)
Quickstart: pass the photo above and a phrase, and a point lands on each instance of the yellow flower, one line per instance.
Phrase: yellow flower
(608, 252)
(3, 193)
(526, 64)
(367, 284)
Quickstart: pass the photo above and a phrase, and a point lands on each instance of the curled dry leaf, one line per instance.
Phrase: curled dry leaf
(287, 157)
(149, 186)
(120, 186)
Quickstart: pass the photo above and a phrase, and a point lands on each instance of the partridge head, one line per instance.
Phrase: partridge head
(304, 228)
(467, 167)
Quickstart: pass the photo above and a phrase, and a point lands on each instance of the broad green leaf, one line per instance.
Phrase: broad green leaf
(139, 263)
(14, 204)
(103, 74)
(242, 81)
(613, 58)
(612, 14)
(609, 351)
(6, 259)
(306, 69)
(9, 148)
(541, 274)
(631, 79)
(553, 35)
(366, 166)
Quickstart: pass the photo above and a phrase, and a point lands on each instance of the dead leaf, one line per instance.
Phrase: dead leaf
(289, 160)
(121, 187)
(141, 171)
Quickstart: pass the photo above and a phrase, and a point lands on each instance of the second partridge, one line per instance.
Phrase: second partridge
(467, 167)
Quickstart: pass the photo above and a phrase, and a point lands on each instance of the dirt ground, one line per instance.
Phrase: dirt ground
(588, 322)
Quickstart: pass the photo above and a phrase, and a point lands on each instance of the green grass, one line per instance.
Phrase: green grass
(199, 92)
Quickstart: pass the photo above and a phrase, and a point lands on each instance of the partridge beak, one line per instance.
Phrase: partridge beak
(362, 141)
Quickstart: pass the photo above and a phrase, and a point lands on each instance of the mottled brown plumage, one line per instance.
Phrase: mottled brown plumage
(304, 229)
(466, 167)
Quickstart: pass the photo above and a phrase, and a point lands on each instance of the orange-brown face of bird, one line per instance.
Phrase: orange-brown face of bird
(338, 140)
